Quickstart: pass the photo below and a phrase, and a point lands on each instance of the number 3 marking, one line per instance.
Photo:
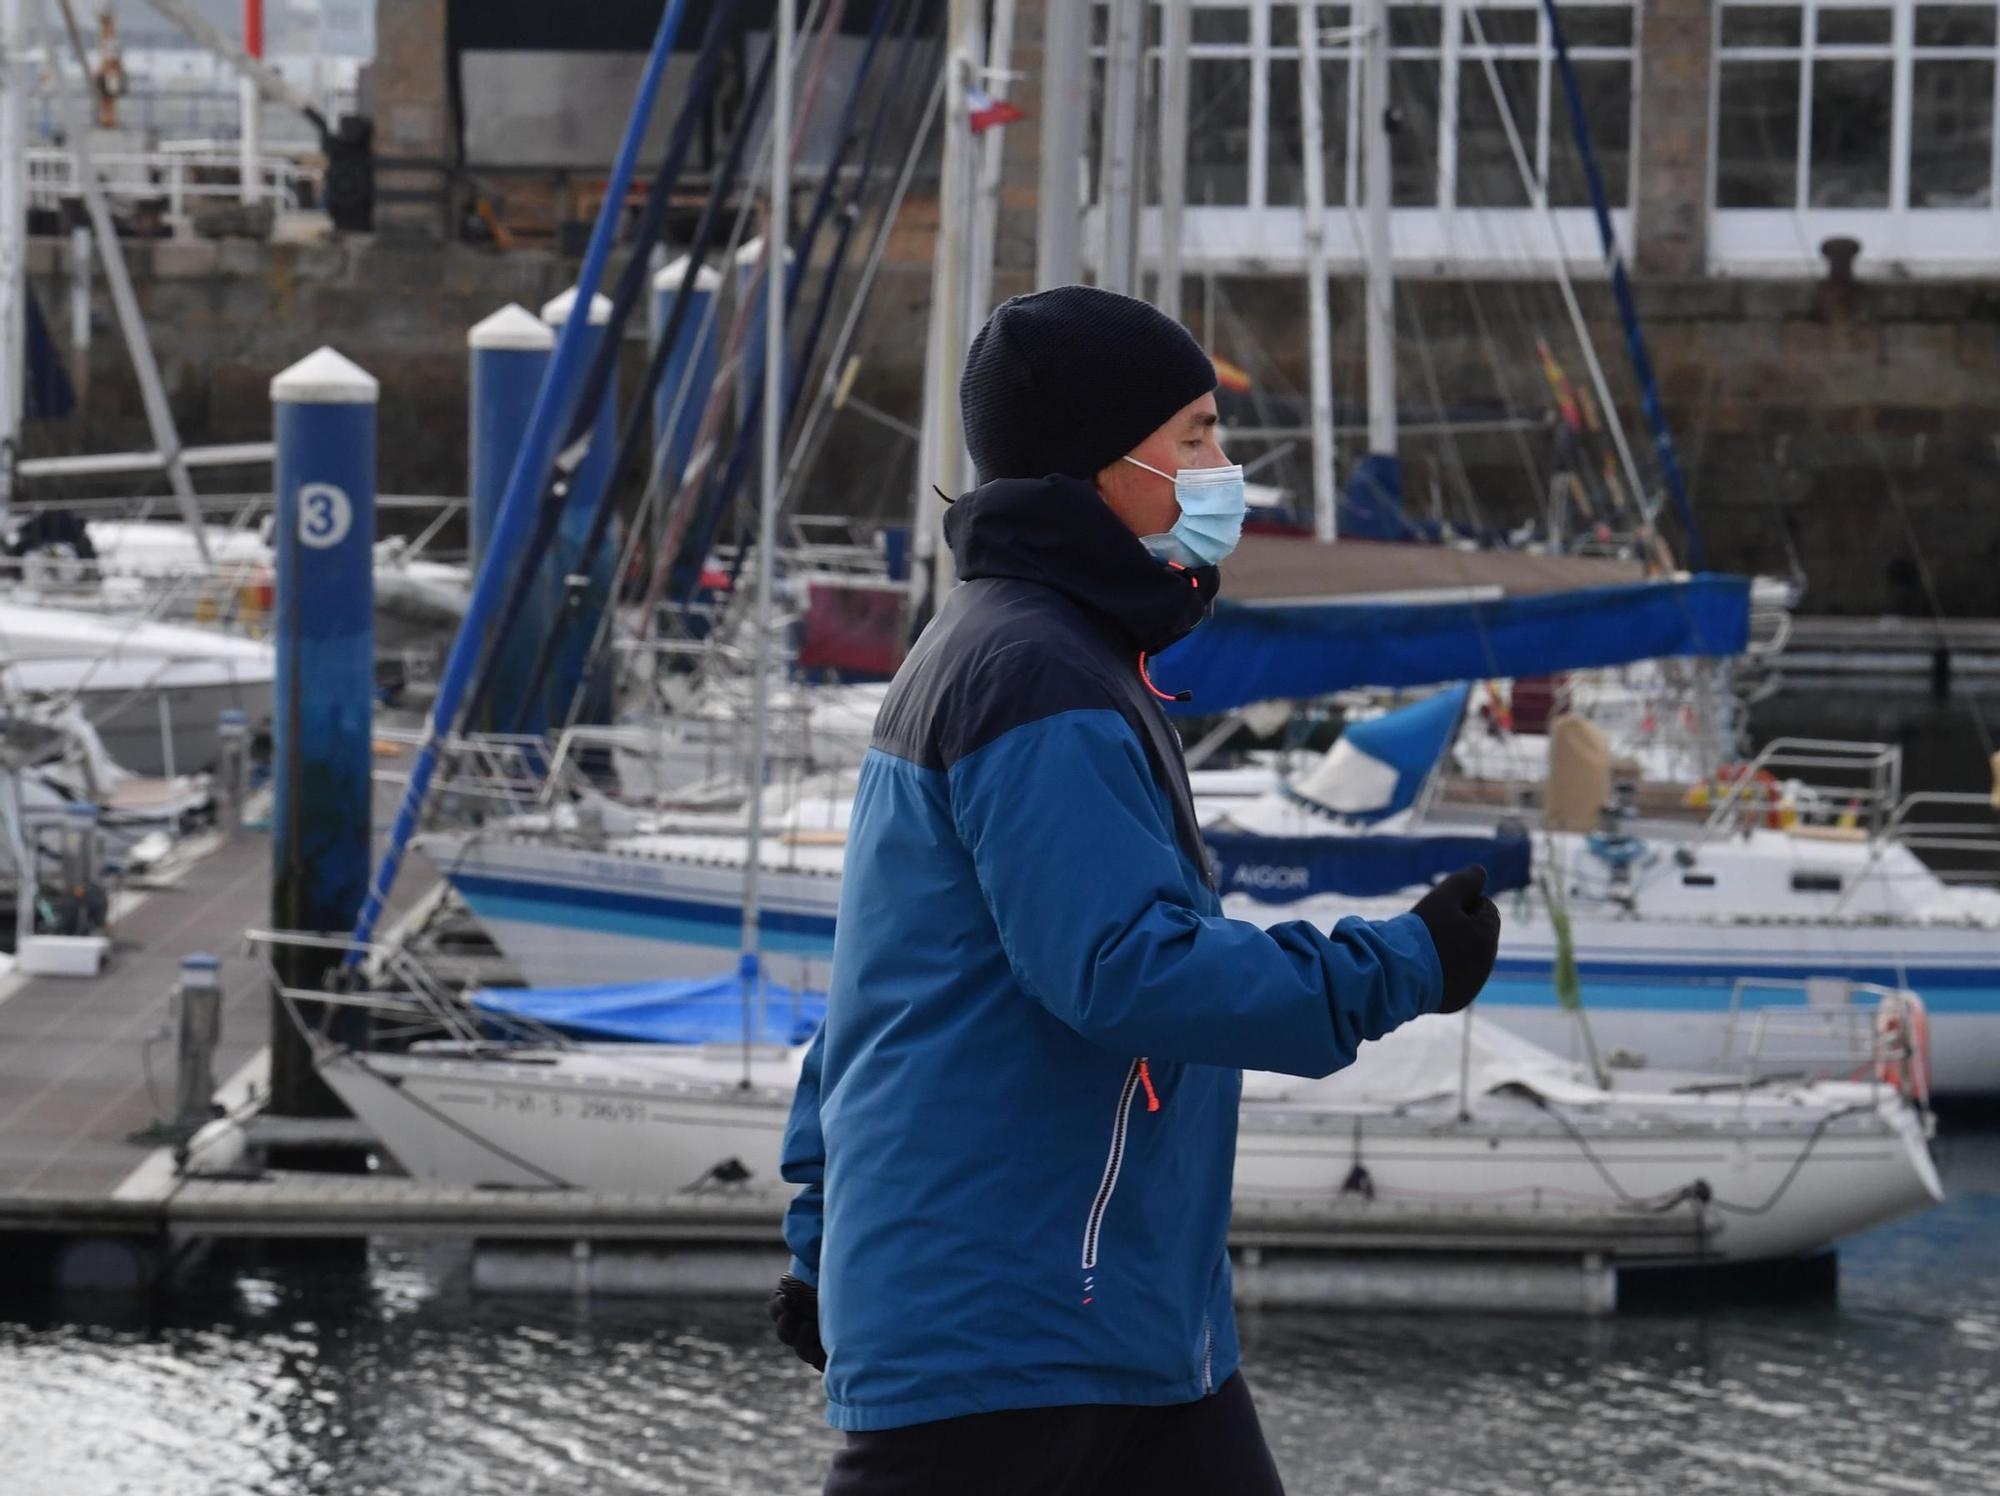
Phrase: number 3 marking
(326, 514)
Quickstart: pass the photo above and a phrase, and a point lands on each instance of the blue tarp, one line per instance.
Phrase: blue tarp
(697, 1010)
(1246, 653)
(1280, 869)
(1410, 740)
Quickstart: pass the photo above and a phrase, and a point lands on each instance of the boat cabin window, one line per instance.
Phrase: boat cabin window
(1697, 880)
(1812, 882)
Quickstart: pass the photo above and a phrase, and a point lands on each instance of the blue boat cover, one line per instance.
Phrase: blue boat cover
(1247, 653)
(1280, 869)
(695, 1010)
(1411, 739)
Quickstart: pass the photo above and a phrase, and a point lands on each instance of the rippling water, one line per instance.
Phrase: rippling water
(391, 1379)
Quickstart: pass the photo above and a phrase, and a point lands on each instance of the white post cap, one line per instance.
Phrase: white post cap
(668, 278)
(753, 251)
(324, 377)
(557, 311)
(514, 328)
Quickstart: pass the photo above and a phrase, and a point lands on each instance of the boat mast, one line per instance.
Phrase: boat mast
(16, 78)
(986, 217)
(1312, 156)
(1381, 317)
(1124, 82)
(1065, 87)
(777, 239)
(1176, 22)
(941, 456)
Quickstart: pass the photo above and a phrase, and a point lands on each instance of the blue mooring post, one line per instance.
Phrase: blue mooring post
(323, 409)
(510, 353)
(692, 363)
(750, 370)
(581, 586)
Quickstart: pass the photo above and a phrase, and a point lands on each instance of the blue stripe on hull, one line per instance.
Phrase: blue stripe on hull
(641, 916)
(1651, 985)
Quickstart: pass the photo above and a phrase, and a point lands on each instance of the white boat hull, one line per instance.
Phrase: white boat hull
(1787, 1173)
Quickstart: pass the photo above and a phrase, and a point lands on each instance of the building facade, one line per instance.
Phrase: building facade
(1731, 138)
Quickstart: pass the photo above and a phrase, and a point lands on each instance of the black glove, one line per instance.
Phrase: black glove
(1465, 928)
(794, 1307)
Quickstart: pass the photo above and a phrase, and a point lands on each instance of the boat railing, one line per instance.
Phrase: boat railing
(1841, 1030)
(1953, 826)
(403, 996)
(1853, 788)
(498, 772)
(177, 177)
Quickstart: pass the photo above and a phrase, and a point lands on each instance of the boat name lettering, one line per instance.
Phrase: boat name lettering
(585, 1108)
(1269, 875)
(617, 870)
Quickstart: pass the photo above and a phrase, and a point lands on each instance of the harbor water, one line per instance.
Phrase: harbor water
(388, 1377)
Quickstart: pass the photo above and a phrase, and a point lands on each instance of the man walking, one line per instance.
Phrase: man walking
(1016, 1131)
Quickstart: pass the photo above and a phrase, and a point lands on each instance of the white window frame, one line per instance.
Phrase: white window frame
(1442, 239)
(1896, 239)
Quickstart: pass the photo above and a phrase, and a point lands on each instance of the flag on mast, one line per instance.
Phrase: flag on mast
(987, 111)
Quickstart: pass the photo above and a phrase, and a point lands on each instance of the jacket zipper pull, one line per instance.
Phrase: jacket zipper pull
(1146, 1080)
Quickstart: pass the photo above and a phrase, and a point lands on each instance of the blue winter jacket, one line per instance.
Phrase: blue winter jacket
(1016, 1131)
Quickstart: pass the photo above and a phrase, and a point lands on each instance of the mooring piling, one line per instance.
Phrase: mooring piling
(690, 366)
(510, 353)
(323, 410)
(582, 584)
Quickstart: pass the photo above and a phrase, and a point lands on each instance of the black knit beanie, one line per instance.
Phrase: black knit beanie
(1070, 380)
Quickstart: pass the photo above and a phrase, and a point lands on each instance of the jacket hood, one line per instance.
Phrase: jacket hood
(1059, 532)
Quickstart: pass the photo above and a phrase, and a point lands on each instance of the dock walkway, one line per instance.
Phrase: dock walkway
(74, 1052)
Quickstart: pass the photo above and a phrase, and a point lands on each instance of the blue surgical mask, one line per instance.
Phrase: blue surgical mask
(1212, 507)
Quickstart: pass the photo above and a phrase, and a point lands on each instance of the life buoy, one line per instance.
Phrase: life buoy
(1762, 797)
(1903, 1046)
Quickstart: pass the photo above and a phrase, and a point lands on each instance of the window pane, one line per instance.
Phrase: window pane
(1415, 26)
(1850, 134)
(1757, 135)
(1219, 131)
(1955, 25)
(1100, 26)
(1606, 87)
(1596, 25)
(1219, 25)
(1413, 148)
(1951, 134)
(1487, 175)
(1284, 172)
(1761, 25)
(1502, 26)
(1838, 28)
(1285, 23)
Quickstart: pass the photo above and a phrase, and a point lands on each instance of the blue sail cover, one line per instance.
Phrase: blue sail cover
(1281, 869)
(697, 1010)
(1247, 653)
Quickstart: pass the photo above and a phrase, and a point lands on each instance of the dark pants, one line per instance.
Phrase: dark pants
(1213, 1447)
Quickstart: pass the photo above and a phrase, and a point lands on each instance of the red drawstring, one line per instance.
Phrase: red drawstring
(1195, 582)
(1176, 696)
(1146, 1080)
